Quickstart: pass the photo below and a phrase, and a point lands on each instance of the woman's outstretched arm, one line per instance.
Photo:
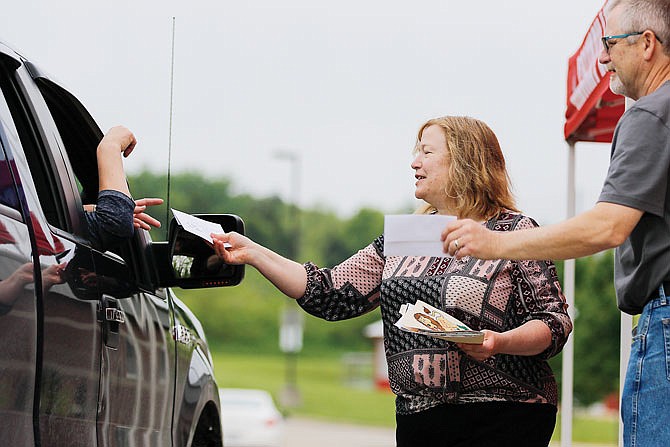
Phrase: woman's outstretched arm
(288, 276)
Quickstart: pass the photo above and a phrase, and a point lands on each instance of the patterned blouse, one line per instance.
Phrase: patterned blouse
(497, 295)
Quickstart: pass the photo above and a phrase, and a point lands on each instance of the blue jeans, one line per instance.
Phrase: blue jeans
(645, 403)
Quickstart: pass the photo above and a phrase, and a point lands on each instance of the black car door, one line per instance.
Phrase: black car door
(137, 377)
(18, 311)
(59, 347)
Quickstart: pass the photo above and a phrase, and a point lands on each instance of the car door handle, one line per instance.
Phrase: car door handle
(115, 315)
(112, 317)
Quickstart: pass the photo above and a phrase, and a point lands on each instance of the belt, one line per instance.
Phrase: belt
(666, 288)
(655, 294)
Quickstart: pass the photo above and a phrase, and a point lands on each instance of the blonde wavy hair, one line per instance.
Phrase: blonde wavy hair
(477, 181)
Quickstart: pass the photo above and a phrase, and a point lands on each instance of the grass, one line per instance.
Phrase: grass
(321, 381)
(597, 430)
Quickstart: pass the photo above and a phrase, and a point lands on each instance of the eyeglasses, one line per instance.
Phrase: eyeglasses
(606, 39)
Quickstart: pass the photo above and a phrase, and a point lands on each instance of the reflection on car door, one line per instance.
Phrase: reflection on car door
(67, 358)
(136, 407)
(67, 353)
(71, 353)
(18, 312)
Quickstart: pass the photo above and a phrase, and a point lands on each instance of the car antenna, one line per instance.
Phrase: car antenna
(167, 208)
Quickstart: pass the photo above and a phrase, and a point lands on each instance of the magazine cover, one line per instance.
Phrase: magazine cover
(422, 318)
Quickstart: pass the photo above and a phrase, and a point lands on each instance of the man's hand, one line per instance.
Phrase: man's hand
(119, 138)
(140, 218)
(465, 237)
(53, 275)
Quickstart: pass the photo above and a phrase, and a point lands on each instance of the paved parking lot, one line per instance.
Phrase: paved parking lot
(309, 433)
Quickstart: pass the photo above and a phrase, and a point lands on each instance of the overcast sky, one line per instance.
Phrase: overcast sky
(342, 84)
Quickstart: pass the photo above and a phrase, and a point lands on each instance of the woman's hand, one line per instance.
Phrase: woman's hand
(489, 347)
(288, 276)
(233, 248)
(531, 338)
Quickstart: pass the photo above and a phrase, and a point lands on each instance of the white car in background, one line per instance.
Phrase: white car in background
(250, 418)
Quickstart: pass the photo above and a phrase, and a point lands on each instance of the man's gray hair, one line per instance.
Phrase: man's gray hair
(641, 15)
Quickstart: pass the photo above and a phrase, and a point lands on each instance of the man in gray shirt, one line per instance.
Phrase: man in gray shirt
(632, 213)
(114, 217)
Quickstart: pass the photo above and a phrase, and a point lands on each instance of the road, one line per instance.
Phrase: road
(309, 433)
(302, 432)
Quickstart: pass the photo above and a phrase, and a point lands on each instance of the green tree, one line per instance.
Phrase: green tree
(353, 235)
(596, 331)
(190, 192)
(248, 314)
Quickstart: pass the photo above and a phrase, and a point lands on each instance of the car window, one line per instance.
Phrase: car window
(80, 136)
(72, 151)
(79, 133)
(45, 184)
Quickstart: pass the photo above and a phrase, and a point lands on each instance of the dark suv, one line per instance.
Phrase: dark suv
(96, 349)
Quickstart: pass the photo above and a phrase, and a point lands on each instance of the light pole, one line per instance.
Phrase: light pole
(294, 176)
(290, 331)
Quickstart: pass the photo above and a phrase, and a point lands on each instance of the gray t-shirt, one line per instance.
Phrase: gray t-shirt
(638, 178)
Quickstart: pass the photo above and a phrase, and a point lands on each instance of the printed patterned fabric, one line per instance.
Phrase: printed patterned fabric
(497, 295)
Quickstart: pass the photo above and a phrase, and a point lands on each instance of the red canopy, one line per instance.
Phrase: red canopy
(593, 110)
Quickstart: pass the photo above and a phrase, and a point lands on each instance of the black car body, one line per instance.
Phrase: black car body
(104, 353)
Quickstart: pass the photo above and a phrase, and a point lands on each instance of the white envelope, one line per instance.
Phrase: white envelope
(414, 234)
(199, 227)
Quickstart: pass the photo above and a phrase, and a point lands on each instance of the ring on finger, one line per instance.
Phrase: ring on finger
(456, 243)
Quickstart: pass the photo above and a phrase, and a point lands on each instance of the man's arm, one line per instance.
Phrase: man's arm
(112, 221)
(605, 226)
(140, 218)
(116, 141)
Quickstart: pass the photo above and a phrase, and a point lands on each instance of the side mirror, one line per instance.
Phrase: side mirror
(189, 262)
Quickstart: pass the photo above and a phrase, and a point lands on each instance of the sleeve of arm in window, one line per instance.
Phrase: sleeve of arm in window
(112, 221)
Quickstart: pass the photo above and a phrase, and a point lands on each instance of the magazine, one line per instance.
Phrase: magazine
(422, 318)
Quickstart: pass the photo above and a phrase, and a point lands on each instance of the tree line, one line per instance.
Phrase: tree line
(248, 315)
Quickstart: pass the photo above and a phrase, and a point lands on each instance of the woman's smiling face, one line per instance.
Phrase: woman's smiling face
(431, 168)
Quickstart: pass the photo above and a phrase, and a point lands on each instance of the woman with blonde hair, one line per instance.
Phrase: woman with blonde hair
(501, 392)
